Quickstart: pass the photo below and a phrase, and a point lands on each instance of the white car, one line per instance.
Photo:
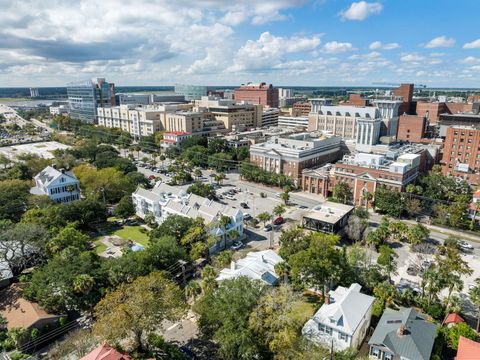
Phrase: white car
(277, 195)
(465, 246)
(230, 197)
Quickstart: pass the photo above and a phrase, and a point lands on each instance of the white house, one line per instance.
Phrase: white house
(256, 265)
(165, 200)
(343, 320)
(59, 185)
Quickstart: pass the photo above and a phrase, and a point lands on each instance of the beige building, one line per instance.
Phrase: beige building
(237, 117)
(136, 120)
(194, 122)
(340, 120)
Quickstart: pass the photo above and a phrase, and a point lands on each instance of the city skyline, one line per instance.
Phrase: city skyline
(294, 42)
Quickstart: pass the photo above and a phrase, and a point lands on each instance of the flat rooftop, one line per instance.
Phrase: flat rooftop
(42, 149)
(329, 212)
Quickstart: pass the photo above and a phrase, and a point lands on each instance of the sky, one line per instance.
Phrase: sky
(227, 42)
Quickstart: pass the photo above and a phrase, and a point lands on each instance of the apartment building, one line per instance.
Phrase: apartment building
(290, 155)
(270, 117)
(257, 93)
(461, 153)
(302, 108)
(340, 120)
(201, 123)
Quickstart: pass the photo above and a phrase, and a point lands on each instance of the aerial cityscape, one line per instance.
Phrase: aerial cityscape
(215, 180)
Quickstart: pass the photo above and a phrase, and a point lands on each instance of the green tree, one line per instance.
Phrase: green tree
(386, 260)
(417, 234)
(279, 210)
(174, 225)
(460, 329)
(320, 265)
(282, 269)
(13, 198)
(192, 290)
(67, 237)
(219, 177)
(203, 190)
(132, 310)
(342, 192)
(475, 298)
(292, 241)
(264, 217)
(273, 321)
(285, 196)
(125, 207)
(209, 274)
(224, 317)
(389, 202)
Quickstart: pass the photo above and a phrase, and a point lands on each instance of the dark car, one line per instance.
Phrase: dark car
(244, 205)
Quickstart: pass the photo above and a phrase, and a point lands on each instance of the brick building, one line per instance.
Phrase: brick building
(411, 128)
(405, 92)
(461, 153)
(262, 93)
(432, 111)
(357, 100)
(302, 108)
(289, 156)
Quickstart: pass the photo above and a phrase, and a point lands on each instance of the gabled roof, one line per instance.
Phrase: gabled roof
(256, 266)
(105, 352)
(19, 312)
(453, 319)
(344, 312)
(417, 340)
(467, 349)
(50, 174)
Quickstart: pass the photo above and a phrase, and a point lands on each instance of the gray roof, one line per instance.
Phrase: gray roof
(49, 174)
(417, 341)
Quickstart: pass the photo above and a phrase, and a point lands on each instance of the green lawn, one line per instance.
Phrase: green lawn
(132, 233)
(305, 309)
(99, 246)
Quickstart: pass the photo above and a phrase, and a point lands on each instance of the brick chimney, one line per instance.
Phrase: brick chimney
(401, 330)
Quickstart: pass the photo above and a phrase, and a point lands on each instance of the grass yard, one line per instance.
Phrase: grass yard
(132, 233)
(305, 309)
(99, 246)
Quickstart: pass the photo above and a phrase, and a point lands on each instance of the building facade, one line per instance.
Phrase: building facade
(368, 133)
(340, 120)
(293, 122)
(270, 117)
(461, 153)
(259, 93)
(289, 156)
(302, 107)
(343, 320)
(411, 128)
(59, 185)
(85, 97)
(174, 138)
(191, 92)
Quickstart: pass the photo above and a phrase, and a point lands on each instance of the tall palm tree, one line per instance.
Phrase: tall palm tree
(208, 279)
(279, 210)
(192, 289)
(283, 270)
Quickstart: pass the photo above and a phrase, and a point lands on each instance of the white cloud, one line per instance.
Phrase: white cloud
(377, 45)
(470, 60)
(268, 50)
(413, 57)
(440, 41)
(361, 10)
(472, 45)
(334, 47)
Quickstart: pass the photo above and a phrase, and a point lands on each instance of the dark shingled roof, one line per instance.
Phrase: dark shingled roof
(418, 338)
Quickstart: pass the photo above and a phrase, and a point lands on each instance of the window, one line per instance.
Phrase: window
(342, 336)
(375, 352)
(387, 356)
(328, 330)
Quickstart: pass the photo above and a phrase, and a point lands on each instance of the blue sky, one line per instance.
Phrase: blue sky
(219, 42)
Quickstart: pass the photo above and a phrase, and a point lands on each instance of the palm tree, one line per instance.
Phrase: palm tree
(279, 210)
(192, 289)
(282, 269)
(475, 298)
(233, 235)
(208, 279)
(219, 177)
(367, 196)
(285, 196)
(264, 217)
(197, 173)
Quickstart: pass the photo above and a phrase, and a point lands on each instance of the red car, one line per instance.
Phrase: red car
(278, 220)
(151, 177)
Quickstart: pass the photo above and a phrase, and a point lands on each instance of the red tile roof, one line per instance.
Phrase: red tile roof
(105, 352)
(467, 349)
(453, 319)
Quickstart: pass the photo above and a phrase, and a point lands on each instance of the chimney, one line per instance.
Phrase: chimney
(401, 330)
(327, 299)
(62, 170)
(232, 265)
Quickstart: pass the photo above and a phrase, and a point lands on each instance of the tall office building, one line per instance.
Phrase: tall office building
(191, 92)
(86, 96)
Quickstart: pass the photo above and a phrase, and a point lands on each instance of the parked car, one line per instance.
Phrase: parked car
(244, 205)
(247, 216)
(465, 246)
(278, 221)
(230, 197)
(237, 245)
(303, 207)
(277, 195)
(268, 228)
(151, 177)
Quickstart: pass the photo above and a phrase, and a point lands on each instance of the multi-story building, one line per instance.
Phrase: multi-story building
(405, 93)
(285, 93)
(191, 92)
(59, 185)
(85, 97)
(316, 104)
(293, 121)
(201, 123)
(234, 116)
(368, 133)
(461, 153)
(270, 117)
(147, 99)
(290, 155)
(411, 128)
(343, 320)
(357, 100)
(259, 93)
(59, 110)
(389, 113)
(363, 172)
(165, 200)
(303, 107)
(340, 120)
(174, 138)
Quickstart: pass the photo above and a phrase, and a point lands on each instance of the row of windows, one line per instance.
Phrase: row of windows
(67, 199)
(62, 189)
